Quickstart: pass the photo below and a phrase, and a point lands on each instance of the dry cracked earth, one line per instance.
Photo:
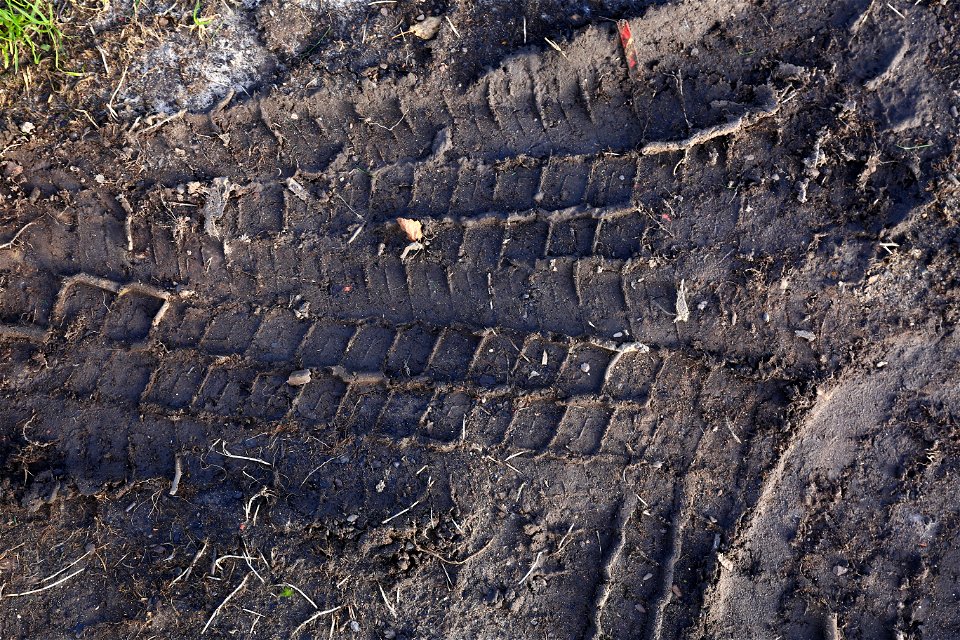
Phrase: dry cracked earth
(675, 357)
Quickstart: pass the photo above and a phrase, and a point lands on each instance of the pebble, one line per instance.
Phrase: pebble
(299, 378)
(585, 367)
(354, 626)
(27, 128)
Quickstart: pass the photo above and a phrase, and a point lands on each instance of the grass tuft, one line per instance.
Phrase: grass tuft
(28, 29)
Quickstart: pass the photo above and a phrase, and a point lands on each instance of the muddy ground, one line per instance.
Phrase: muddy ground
(675, 357)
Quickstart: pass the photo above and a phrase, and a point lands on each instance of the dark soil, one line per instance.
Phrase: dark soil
(675, 358)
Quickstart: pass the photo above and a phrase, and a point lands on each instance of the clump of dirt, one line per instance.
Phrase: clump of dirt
(316, 323)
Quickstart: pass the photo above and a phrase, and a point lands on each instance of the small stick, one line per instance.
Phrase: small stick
(224, 452)
(216, 563)
(318, 614)
(383, 595)
(177, 474)
(51, 577)
(113, 96)
(536, 561)
(563, 540)
(315, 470)
(832, 628)
(9, 243)
(735, 436)
(354, 235)
(555, 46)
(452, 27)
(455, 563)
(178, 114)
(49, 586)
(196, 558)
(716, 131)
(514, 455)
(400, 513)
(216, 611)
(298, 590)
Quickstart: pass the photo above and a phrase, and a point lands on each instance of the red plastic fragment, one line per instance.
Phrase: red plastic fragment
(626, 40)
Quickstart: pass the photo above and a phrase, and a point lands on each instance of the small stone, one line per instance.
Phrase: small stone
(840, 570)
(354, 626)
(27, 128)
(299, 378)
(303, 311)
(809, 336)
(353, 517)
(585, 367)
(10, 169)
(428, 29)
(99, 178)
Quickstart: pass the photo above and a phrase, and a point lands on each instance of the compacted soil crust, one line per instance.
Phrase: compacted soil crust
(675, 356)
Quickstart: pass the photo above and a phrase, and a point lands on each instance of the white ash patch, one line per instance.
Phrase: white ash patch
(194, 68)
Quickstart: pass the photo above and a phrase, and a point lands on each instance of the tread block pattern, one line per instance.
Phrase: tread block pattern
(325, 343)
(368, 348)
(453, 355)
(131, 317)
(125, 375)
(230, 332)
(494, 360)
(582, 428)
(447, 419)
(533, 426)
(176, 380)
(225, 389)
(183, 326)
(320, 399)
(540, 363)
(403, 412)
(278, 337)
(572, 236)
(583, 370)
(411, 351)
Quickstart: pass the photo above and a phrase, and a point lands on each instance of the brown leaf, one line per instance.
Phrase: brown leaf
(412, 228)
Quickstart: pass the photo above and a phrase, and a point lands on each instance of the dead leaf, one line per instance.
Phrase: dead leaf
(413, 247)
(412, 228)
(683, 311)
(427, 29)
